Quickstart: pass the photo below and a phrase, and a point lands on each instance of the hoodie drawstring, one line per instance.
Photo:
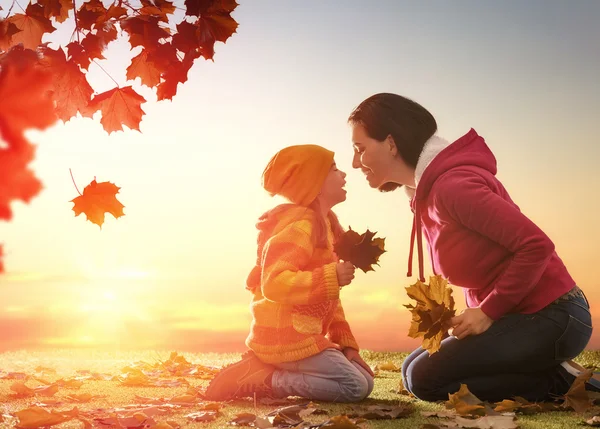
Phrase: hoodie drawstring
(416, 230)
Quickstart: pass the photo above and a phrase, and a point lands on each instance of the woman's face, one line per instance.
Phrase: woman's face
(371, 156)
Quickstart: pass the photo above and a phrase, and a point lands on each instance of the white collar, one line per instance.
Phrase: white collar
(431, 149)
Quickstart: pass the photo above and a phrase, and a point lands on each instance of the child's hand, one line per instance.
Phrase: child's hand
(345, 273)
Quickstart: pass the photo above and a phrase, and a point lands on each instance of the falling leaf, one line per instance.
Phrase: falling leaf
(96, 200)
(360, 249)
(577, 397)
(434, 309)
(464, 402)
(119, 106)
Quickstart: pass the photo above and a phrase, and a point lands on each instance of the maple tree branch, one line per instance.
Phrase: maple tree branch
(107, 73)
(73, 179)
(11, 8)
(75, 19)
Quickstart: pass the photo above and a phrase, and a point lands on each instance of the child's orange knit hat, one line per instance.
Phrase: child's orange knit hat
(298, 172)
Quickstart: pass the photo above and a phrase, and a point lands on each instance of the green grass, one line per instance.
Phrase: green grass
(66, 362)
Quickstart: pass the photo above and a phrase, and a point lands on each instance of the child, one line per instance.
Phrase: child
(300, 343)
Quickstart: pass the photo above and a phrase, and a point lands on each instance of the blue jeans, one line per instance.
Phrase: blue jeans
(519, 355)
(327, 376)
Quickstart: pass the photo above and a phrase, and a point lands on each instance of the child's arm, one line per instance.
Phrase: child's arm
(339, 331)
(284, 281)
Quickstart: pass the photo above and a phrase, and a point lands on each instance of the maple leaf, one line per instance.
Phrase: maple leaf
(88, 49)
(114, 12)
(187, 37)
(465, 403)
(146, 70)
(434, 309)
(57, 9)
(144, 31)
(35, 417)
(71, 90)
(32, 25)
(119, 106)
(158, 8)
(98, 199)
(198, 7)
(519, 404)
(577, 397)
(107, 32)
(360, 249)
(89, 13)
(176, 73)
(7, 30)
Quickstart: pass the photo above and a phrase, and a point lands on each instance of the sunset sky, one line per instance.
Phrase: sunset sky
(170, 274)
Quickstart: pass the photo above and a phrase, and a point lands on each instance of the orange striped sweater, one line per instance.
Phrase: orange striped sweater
(296, 308)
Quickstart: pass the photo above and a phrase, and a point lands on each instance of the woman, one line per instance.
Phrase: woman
(526, 318)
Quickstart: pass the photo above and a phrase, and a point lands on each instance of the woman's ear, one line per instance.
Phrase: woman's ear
(391, 145)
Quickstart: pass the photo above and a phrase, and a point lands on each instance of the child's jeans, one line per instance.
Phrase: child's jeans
(328, 376)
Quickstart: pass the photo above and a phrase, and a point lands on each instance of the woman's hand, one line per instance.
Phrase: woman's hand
(345, 273)
(472, 321)
(353, 356)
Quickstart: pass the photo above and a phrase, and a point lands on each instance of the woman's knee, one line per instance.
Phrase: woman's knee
(417, 380)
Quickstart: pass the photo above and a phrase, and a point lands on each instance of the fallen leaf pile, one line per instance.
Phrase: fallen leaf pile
(362, 250)
(433, 310)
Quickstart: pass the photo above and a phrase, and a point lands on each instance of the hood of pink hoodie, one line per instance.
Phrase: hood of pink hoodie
(438, 157)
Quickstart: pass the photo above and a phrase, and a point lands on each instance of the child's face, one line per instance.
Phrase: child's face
(333, 191)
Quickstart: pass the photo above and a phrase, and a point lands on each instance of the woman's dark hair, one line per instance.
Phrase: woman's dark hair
(409, 123)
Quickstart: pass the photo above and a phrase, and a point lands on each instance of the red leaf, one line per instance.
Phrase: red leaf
(17, 181)
(177, 73)
(88, 49)
(216, 27)
(33, 24)
(89, 13)
(159, 8)
(198, 7)
(107, 33)
(71, 90)
(144, 31)
(144, 69)
(7, 30)
(114, 12)
(120, 106)
(98, 199)
(26, 102)
(187, 37)
(57, 9)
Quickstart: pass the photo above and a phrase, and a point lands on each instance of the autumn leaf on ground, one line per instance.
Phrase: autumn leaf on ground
(290, 416)
(434, 309)
(594, 421)
(387, 366)
(343, 422)
(519, 404)
(577, 397)
(21, 390)
(119, 106)
(362, 250)
(383, 412)
(203, 416)
(83, 397)
(35, 417)
(465, 403)
(98, 199)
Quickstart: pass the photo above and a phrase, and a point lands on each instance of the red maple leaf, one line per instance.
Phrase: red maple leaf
(97, 200)
(26, 102)
(146, 70)
(33, 24)
(119, 106)
(57, 9)
(89, 13)
(198, 7)
(144, 31)
(7, 30)
(176, 73)
(159, 8)
(88, 49)
(114, 12)
(71, 90)
(107, 32)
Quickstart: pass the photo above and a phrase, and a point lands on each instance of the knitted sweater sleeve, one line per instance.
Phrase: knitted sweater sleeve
(285, 278)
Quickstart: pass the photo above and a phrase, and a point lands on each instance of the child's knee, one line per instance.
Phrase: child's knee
(356, 388)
